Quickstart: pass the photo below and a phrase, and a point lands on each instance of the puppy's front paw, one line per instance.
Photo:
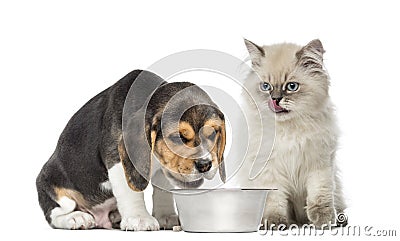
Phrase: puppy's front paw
(321, 215)
(79, 220)
(139, 223)
(167, 222)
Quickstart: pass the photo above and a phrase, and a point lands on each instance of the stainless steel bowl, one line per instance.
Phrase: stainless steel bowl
(220, 210)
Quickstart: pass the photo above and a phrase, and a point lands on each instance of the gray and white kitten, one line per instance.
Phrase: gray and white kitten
(294, 89)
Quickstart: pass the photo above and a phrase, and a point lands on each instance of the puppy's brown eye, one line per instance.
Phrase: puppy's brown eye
(212, 136)
(177, 139)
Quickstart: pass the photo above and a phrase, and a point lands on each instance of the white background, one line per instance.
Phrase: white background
(54, 56)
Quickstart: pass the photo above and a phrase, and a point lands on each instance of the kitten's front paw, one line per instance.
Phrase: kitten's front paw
(167, 222)
(275, 221)
(321, 215)
(139, 223)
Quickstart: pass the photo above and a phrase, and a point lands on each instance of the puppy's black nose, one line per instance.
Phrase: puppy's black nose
(203, 165)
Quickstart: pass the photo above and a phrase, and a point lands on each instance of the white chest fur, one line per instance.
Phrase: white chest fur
(298, 148)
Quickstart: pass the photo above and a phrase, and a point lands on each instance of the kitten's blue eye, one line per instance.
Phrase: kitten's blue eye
(265, 86)
(292, 86)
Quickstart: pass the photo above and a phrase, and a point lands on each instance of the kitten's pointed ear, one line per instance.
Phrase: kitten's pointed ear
(314, 46)
(311, 55)
(256, 52)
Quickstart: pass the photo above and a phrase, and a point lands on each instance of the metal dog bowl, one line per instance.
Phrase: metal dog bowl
(220, 210)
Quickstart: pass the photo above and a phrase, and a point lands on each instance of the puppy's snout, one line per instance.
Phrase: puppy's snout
(203, 165)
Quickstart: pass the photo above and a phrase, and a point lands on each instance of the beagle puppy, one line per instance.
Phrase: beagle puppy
(103, 160)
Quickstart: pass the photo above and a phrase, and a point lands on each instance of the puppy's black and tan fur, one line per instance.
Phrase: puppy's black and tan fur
(92, 180)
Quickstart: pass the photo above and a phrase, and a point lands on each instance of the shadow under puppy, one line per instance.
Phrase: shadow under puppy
(96, 175)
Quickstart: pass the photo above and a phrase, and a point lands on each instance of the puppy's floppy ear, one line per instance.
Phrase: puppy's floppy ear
(221, 148)
(136, 131)
(155, 128)
(137, 162)
(139, 159)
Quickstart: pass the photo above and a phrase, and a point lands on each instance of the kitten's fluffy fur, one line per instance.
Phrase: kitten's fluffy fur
(302, 163)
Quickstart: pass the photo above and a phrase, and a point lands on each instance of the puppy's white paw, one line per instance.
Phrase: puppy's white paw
(78, 220)
(140, 223)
